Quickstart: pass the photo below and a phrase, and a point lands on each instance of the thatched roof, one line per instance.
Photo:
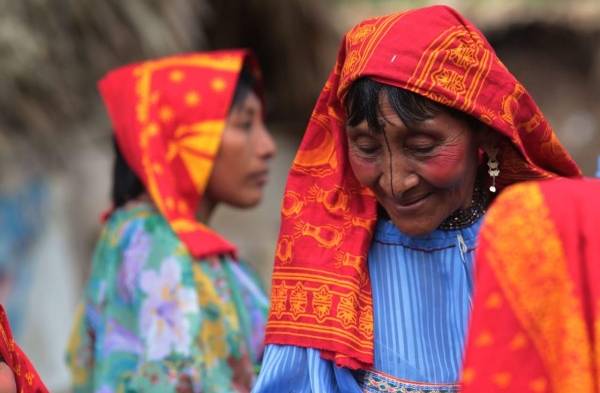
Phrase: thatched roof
(52, 52)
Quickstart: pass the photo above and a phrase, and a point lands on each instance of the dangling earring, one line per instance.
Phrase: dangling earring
(493, 170)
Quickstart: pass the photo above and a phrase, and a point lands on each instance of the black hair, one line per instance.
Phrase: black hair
(246, 84)
(362, 103)
(127, 186)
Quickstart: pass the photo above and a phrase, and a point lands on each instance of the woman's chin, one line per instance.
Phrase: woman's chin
(248, 201)
(415, 228)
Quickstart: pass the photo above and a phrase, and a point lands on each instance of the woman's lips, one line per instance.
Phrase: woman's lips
(260, 177)
(411, 204)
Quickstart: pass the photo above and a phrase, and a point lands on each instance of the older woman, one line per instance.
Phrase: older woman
(168, 307)
(417, 128)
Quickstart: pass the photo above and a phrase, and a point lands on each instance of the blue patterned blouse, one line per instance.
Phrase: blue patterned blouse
(421, 298)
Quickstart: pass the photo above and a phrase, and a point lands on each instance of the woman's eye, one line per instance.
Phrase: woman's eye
(421, 149)
(367, 149)
(245, 125)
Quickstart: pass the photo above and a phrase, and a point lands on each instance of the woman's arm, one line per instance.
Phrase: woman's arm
(291, 369)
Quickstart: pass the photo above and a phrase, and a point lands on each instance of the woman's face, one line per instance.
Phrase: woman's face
(241, 167)
(419, 174)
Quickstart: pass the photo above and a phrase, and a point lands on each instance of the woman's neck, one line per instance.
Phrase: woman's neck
(205, 209)
(203, 213)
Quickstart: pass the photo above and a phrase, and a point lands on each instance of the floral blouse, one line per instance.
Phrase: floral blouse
(155, 320)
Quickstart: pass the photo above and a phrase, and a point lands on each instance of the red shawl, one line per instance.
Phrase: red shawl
(27, 379)
(321, 295)
(536, 315)
(168, 116)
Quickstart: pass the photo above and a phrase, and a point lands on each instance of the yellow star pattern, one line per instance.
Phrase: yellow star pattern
(176, 76)
(165, 113)
(218, 84)
(192, 98)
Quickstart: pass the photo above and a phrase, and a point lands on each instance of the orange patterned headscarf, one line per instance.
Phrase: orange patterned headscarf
(321, 294)
(536, 313)
(168, 116)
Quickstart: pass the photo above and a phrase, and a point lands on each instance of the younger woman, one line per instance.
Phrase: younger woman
(168, 306)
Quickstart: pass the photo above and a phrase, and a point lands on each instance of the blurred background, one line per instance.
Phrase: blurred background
(55, 148)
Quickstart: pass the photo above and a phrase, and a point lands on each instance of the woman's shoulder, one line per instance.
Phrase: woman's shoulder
(136, 242)
(137, 222)
(136, 233)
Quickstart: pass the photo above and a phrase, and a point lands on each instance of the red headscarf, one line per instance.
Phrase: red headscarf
(168, 116)
(321, 295)
(536, 316)
(26, 378)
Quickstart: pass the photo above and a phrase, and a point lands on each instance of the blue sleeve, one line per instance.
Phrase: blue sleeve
(291, 369)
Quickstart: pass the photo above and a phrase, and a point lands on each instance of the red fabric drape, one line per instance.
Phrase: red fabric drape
(536, 315)
(26, 377)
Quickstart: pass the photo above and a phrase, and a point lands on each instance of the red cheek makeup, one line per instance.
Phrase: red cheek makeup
(446, 167)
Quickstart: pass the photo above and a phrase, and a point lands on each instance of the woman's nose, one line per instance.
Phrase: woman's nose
(398, 175)
(266, 144)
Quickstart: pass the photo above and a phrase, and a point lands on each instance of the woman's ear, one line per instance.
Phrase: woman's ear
(488, 139)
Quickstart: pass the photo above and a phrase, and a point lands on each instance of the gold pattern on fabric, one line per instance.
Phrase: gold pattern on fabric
(538, 385)
(335, 200)
(192, 98)
(278, 299)
(284, 250)
(457, 62)
(327, 236)
(510, 103)
(540, 294)
(519, 341)
(298, 300)
(502, 380)
(322, 302)
(347, 259)
(218, 84)
(532, 124)
(361, 42)
(195, 144)
(321, 159)
(320, 296)
(292, 203)
(346, 311)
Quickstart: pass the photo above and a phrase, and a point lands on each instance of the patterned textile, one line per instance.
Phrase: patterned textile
(168, 116)
(321, 293)
(536, 316)
(26, 378)
(421, 308)
(377, 382)
(156, 320)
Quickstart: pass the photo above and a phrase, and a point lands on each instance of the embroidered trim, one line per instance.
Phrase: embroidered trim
(372, 381)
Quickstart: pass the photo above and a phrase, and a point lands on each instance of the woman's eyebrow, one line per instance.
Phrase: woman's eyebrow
(359, 129)
(245, 111)
(248, 111)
